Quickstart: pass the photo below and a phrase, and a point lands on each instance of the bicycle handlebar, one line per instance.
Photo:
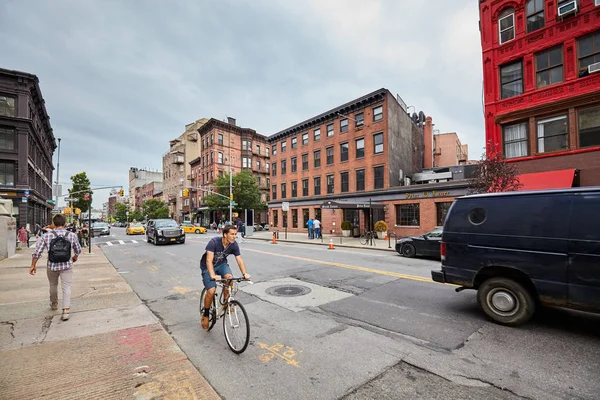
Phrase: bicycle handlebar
(229, 279)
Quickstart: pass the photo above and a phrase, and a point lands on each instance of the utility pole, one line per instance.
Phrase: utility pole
(57, 171)
(230, 193)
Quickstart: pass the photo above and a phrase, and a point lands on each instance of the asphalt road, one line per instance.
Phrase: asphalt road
(372, 325)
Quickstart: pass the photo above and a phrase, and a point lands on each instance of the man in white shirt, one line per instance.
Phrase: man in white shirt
(317, 228)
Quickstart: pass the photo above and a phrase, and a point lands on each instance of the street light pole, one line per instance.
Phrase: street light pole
(57, 173)
(230, 193)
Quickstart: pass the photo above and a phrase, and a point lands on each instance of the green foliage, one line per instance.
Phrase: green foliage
(80, 187)
(155, 208)
(246, 193)
(136, 216)
(346, 226)
(381, 226)
(121, 211)
(493, 174)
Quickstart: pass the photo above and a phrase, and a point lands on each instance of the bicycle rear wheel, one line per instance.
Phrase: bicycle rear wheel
(212, 316)
(236, 327)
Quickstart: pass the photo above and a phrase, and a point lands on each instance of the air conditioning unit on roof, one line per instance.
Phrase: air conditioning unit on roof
(567, 8)
(594, 68)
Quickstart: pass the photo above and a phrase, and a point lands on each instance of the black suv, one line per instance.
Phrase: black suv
(164, 231)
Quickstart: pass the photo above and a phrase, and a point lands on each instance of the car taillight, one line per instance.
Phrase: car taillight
(443, 250)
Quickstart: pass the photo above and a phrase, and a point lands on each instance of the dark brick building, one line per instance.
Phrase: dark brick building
(27, 144)
(541, 67)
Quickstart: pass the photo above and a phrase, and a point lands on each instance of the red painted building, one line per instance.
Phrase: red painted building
(541, 70)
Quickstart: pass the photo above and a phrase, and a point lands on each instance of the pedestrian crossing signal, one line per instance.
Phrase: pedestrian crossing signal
(121, 192)
(185, 192)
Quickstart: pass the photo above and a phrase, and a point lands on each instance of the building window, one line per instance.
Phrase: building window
(588, 46)
(511, 79)
(344, 125)
(441, 212)
(360, 148)
(304, 139)
(275, 217)
(506, 25)
(306, 217)
(317, 158)
(589, 127)
(245, 145)
(267, 167)
(294, 164)
(329, 151)
(535, 15)
(378, 178)
(377, 113)
(515, 140)
(294, 189)
(378, 143)
(246, 162)
(360, 179)
(317, 135)
(7, 174)
(304, 187)
(283, 167)
(318, 213)
(283, 189)
(317, 186)
(304, 162)
(267, 151)
(7, 139)
(274, 169)
(220, 158)
(295, 218)
(274, 149)
(408, 215)
(329, 130)
(283, 147)
(330, 183)
(344, 152)
(359, 119)
(294, 142)
(549, 67)
(552, 134)
(258, 165)
(344, 176)
(7, 106)
(220, 139)
(274, 192)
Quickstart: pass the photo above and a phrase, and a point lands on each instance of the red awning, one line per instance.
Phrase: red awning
(547, 180)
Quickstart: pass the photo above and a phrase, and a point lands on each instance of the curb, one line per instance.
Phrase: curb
(349, 246)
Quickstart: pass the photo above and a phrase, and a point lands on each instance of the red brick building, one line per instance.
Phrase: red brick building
(541, 68)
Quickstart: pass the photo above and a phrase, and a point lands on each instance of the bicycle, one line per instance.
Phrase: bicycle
(367, 236)
(233, 313)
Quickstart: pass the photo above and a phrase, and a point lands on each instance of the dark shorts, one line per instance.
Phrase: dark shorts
(222, 269)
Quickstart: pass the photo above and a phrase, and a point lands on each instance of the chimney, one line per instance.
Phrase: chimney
(428, 141)
(231, 121)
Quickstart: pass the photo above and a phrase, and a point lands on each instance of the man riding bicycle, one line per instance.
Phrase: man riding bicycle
(214, 266)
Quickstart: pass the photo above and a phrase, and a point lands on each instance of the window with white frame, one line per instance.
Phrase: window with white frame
(344, 125)
(317, 135)
(258, 165)
(220, 158)
(267, 151)
(267, 166)
(377, 113)
(246, 162)
(294, 142)
(515, 140)
(552, 134)
(506, 25)
(283, 147)
(304, 139)
(378, 143)
(329, 130)
(274, 148)
(359, 119)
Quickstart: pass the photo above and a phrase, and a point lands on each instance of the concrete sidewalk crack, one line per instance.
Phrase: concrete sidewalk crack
(45, 328)
(504, 389)
(12, 327)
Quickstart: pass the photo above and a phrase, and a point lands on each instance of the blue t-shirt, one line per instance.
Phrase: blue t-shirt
(310, 223)
(221, 252)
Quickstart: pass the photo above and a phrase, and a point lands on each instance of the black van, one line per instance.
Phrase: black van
(521, 249)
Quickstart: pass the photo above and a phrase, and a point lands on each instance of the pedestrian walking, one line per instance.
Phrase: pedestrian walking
(60, 244)
(38, 230)
(317, 228)
(22, 237)
(240, 227)
(311, 232)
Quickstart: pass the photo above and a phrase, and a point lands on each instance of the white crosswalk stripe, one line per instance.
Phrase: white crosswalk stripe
(134, 241)
(121, 242)
(118, 242)
(109, 243)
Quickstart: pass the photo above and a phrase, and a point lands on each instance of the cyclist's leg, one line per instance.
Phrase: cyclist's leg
(225, 272)
(210, 287)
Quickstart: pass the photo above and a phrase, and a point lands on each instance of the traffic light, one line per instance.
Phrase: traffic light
(185, 192)
(121, 192)
(67, 211)
(231, 196)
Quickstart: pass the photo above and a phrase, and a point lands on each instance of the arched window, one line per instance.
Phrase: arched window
(535, 15)
(506, 25)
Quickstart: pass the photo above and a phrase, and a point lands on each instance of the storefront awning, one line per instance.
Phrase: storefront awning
(547, 180)
(343, 204)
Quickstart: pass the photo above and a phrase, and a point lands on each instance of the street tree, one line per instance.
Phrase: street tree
(121, 211)
(80, 187)
(246, 193)
(493, 174)
(136, 216)
(155, 208)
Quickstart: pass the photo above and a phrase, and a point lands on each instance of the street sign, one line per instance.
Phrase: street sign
(233, 204)
(23, 199)
(26, 193)
(285, 206)
(69, 199)
(50, 201)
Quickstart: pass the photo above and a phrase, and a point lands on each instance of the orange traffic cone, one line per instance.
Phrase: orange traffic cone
(274, 238)
(385, 238)
(331, 245)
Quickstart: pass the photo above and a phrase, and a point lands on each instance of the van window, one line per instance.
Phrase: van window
(583, 225)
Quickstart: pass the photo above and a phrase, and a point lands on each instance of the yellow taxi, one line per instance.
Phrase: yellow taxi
(191, 228)
(135, 228)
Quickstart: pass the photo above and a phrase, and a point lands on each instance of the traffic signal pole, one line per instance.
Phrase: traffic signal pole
(230, 195)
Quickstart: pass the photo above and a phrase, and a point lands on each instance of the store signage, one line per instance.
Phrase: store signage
(425, 195)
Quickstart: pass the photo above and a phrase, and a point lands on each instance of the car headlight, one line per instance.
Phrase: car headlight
(159, 231)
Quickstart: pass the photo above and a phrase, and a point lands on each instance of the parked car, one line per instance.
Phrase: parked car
(424, 245)
(191, 228)
(164, 231)
(100, 229)
(135, 228)
(524, 249)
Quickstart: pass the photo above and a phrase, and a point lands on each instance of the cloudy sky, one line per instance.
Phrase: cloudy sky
(122, 77)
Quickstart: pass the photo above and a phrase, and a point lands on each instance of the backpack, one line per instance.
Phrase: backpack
(60, 249)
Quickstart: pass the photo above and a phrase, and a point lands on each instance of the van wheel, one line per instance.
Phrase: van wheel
(408, 250)
(506, 301)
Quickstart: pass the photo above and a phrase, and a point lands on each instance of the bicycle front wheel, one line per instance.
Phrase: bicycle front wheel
(236, 327)
(212, 316)
(364, 239)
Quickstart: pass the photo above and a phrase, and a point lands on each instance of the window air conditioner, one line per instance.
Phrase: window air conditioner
(567, 8)
(594, 68)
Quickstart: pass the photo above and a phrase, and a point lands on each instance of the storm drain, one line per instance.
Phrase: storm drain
(288, 290)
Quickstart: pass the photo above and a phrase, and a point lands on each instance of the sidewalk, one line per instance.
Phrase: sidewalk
(113, 347)
(378, 244)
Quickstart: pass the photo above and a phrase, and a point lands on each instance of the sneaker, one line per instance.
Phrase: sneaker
(65, 316)
(204, 322)
(54, 306)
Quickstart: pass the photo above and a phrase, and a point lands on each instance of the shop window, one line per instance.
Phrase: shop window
(305, 217)
(7, 174)
(408, 214)
(441, 212)
(318, 214)
(294, 218)
(275, 218)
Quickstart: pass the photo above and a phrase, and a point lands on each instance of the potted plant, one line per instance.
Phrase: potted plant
(346, 228)
(381, 228)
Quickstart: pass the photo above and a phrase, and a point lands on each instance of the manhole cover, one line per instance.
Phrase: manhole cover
(288, 290)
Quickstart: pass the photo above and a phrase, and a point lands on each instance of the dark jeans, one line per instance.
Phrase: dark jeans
(311, 233)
